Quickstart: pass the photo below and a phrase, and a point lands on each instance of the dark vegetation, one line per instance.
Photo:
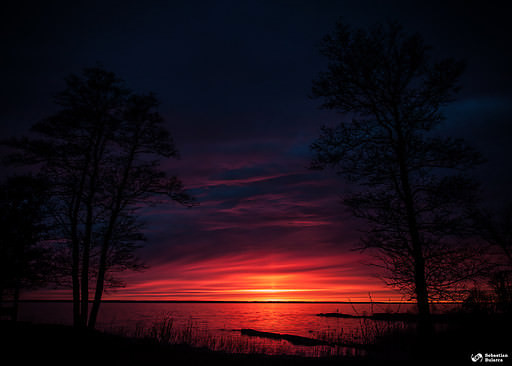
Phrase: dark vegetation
(410, 184)
(26, 260)
(457, 337)
(101, 155)
(57, 345)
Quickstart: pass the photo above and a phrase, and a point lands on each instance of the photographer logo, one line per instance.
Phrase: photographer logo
(489, 357)
(477, 357)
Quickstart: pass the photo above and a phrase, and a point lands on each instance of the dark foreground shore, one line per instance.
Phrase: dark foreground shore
(24, 343)
(42, 344)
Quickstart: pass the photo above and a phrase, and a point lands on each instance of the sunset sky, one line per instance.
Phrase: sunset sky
(234, 80)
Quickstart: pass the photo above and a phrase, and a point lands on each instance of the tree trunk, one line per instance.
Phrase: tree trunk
(86, 257)
(76, 285)
(116, 208)
(100, 283)
(420, 282)
(75, 244)
(97, 155)
(425, 324)
(425, 321)
(84, 307)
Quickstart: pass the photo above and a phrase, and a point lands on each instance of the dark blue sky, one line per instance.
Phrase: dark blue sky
(233, 78)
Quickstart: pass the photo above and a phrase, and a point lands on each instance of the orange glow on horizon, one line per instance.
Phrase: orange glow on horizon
(276, 277)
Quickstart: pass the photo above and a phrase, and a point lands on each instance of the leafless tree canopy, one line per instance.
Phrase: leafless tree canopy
(409, 182)
(101, 153)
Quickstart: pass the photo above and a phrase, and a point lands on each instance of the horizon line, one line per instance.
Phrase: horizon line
(236, 301)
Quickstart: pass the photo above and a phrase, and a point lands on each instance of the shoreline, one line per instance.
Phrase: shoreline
(27, 343)
(37, 343)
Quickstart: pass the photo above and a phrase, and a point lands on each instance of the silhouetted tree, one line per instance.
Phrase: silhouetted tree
(410, 184)
(102, 153)
(134, 179)
(25, 262)
(495, 228)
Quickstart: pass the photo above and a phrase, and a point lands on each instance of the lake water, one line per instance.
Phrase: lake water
(218, 325)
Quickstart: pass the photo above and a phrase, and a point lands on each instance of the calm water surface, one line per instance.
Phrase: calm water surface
(221, 322)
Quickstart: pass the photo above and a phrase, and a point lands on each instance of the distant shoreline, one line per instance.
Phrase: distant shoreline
(229, 302)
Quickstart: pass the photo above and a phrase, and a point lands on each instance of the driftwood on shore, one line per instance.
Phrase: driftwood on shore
(293, 339)
(375, 316)
(298, 340)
